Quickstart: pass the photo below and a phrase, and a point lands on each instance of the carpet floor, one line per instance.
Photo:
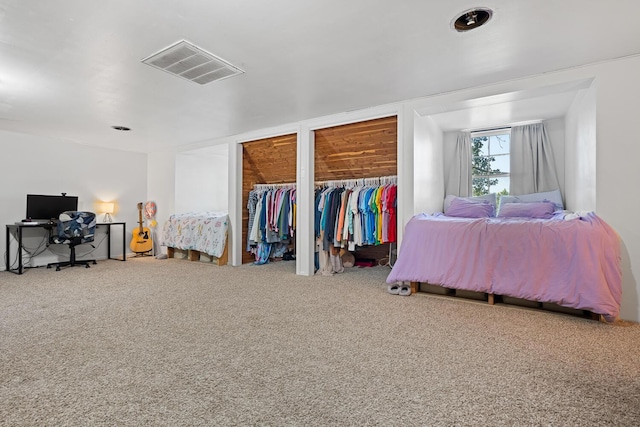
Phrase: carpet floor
(179, 343)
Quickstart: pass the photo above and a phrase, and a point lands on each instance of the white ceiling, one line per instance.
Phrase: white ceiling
(71, 68)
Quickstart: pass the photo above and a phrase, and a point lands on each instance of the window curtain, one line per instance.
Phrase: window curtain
(533, 168)
(459, 179)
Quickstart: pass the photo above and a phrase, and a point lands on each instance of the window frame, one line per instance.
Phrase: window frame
(490, 133)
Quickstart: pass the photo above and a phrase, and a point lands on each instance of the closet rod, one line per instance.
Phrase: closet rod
(260, 187)
(381, 180)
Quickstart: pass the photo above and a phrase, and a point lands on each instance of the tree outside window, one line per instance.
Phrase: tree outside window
(490, 163)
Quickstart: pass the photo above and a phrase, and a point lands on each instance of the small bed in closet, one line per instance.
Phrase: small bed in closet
(201, 235)
(531, 250)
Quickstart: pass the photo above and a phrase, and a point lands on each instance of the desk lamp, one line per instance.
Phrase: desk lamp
(107, 209)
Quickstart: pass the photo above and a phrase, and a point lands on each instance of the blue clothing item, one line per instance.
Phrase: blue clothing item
(373, 206)
(367, 224)
(263, 251)
(278, 249)
(316, 226)
(263, 218)
(330, 218)
(326, 210)
(283, 218)
(373, 226)
(325, 219)
(362, 213)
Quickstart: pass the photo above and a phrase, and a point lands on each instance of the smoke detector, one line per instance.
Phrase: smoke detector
(472, 18)
(188, 61)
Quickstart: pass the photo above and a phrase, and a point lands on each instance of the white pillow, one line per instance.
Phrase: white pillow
(552, 196)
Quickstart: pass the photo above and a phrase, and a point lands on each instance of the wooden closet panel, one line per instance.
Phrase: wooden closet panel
(358, 150)
(366, 149)
(265, 161)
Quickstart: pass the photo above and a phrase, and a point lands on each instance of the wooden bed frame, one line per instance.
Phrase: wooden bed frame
(492, 299)
(193, 255)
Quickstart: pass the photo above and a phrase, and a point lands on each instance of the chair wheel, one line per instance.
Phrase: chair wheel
(58, 268)
(94, 262)
(87, 266)
(48, 266)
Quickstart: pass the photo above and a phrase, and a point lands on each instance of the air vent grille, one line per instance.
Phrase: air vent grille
(190, 62)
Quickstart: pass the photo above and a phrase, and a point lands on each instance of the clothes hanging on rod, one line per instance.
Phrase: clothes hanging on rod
(346, 217)
(272, 219)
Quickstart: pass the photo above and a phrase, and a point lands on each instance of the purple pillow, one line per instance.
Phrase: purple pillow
(527, 210)
(466, 209)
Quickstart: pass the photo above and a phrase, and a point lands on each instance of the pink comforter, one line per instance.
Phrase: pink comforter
(574, 263)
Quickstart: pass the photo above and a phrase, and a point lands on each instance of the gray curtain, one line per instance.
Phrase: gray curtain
(533, 169)
(459, 180)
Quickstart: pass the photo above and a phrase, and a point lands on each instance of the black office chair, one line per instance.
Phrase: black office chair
(74, 228)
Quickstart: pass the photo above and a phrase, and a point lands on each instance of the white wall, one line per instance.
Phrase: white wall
(448, 154)
(617, 171)
(202, 180)
(161, 189)
(428, 166)
(581, 157)
(40, 165)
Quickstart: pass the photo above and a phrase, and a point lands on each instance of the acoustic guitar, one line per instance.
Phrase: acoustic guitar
(141, 236)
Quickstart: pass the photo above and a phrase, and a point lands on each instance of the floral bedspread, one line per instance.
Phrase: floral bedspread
(201, 231)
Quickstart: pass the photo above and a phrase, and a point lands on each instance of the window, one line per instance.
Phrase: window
(490, 162)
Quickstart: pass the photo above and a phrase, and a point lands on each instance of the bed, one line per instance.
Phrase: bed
(567, 259)
(201, 235)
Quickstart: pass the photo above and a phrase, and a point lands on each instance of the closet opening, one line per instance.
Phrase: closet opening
(357, 159)
(268, 200)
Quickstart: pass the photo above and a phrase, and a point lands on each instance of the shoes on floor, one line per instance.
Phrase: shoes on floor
(404, 291)
(399, 289)
(393, 289)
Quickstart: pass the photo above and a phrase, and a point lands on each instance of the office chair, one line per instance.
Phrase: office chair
(74, 228)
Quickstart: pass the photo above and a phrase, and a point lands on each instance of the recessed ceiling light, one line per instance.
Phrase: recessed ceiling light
(472, 18)
(122, 128)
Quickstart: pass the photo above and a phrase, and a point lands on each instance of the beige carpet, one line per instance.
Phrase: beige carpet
(179, 343)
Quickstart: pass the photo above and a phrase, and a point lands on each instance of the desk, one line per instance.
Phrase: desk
(124, 233)
(16, 230)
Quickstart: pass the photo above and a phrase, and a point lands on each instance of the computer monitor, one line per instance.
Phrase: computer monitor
(43, 207)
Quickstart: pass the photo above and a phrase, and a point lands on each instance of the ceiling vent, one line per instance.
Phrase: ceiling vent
(189, 62)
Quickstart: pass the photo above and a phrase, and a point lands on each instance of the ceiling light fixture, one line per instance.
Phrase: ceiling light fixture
(472, 18)
(121, 128)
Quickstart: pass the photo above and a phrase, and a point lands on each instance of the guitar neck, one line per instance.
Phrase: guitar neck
(140, 214)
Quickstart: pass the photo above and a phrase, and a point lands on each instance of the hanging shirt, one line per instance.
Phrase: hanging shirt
(392, 206)
(251, 207)
(341, 217)
(385, 214)
(355, 225)
(317, 213)
(378, 203)
(255, 230)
